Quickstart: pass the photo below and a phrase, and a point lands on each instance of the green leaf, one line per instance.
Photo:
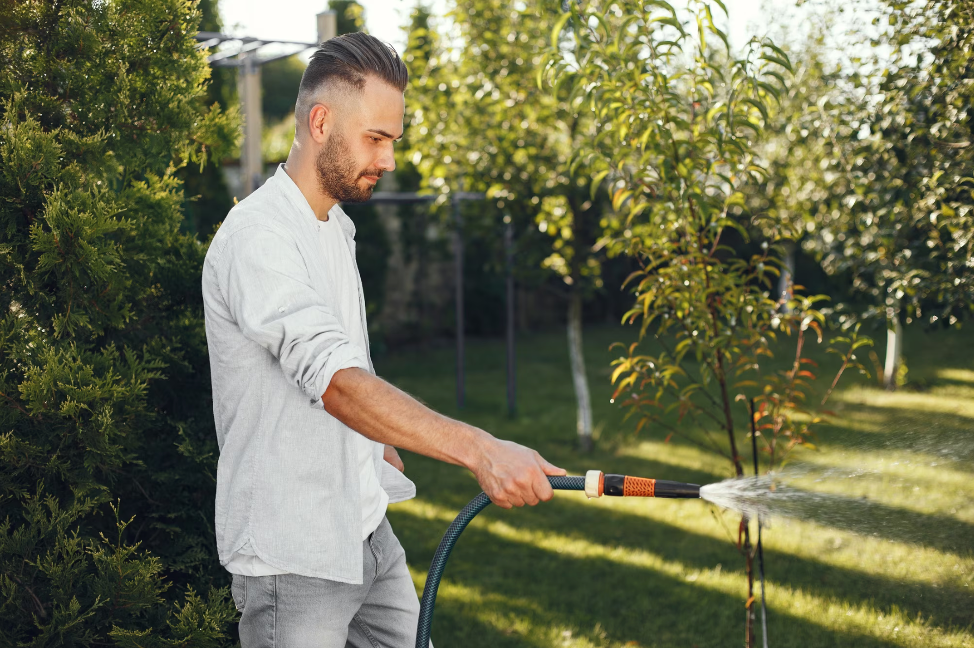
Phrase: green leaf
(559, 26)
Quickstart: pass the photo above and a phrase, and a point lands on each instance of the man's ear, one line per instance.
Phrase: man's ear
(320, 121)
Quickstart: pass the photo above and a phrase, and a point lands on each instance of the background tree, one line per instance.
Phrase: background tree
(107, 453)
(888, 142)
(479, 122)
(678, 118)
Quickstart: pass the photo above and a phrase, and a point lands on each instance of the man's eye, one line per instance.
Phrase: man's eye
(375, 140)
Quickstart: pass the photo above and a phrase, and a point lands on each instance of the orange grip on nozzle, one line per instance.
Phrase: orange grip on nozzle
(633, 486)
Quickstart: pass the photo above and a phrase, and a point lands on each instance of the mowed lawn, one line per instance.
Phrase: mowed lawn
(646, 572)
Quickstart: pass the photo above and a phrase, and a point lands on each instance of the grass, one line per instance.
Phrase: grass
(629, 572)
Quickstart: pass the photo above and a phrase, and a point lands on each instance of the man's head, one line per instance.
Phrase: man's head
(349, 112)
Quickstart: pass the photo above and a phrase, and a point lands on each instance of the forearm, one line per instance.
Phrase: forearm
(381, 412)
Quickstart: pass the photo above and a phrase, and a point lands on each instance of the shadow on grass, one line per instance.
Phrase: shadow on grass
(586, 595)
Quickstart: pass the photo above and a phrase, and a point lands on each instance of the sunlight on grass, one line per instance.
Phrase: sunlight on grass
(906, 401)
(956, 374)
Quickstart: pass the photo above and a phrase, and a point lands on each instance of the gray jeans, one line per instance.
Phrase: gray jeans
(296, 611)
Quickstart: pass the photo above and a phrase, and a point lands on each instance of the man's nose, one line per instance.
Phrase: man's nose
(387, 161)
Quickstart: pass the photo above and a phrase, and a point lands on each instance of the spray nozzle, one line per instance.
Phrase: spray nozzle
(617, 485)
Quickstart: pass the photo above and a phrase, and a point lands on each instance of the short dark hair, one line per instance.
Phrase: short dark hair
(351, 58)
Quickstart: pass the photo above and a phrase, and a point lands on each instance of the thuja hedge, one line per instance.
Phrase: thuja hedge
(107, 455)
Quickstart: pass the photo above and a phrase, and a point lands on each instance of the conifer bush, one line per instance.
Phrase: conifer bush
(107, 455)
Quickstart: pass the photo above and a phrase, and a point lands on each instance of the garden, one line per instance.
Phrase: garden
(743, 264)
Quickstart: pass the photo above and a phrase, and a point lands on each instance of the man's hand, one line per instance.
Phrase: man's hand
(391, 456)
(513, 475)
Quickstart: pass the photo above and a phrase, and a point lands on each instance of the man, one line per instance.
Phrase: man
(307, 432)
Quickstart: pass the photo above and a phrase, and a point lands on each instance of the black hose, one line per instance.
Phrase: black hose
(442, 554)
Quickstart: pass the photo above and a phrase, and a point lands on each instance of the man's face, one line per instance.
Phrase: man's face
(359, 148)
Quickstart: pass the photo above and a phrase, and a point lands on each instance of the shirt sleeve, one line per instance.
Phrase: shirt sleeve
(269, 294)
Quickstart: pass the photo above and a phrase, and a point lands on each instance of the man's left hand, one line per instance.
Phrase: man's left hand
(392, 457)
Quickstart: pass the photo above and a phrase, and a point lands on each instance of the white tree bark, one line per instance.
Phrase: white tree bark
(579, 378)
(894, 352)
(787, 277)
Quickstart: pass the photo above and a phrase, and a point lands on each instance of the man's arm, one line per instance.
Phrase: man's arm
(510, 474)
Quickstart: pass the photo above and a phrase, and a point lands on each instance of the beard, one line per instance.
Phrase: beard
(337, 176)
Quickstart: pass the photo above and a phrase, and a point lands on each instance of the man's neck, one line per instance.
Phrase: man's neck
(303, 174)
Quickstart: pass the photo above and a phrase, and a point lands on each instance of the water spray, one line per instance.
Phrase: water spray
(595, 484)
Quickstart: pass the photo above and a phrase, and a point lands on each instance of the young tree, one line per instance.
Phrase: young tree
(678, 123)
(107, 454)
(479, 122)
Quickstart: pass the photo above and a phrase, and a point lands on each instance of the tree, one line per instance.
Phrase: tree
(891, 138)
(678, 120)
(107, 453)
(477, 121)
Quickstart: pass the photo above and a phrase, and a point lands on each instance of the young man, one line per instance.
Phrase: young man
(307, 432)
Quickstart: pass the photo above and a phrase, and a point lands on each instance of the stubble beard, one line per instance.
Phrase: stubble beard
(336, 172)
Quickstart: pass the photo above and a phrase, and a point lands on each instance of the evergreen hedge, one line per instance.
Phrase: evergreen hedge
(107, 454)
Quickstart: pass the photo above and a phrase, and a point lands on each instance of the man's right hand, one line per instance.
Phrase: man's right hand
(514, 475)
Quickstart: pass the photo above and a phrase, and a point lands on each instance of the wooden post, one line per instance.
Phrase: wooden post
(327, 23)
(251, 165)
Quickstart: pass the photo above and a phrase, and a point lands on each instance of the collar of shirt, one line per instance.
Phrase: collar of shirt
(294, 195)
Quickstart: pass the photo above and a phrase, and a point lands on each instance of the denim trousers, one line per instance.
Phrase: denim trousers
(290, 610)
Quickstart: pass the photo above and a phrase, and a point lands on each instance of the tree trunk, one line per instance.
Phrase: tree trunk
(787, 278)
(894, 352)
(579, 378)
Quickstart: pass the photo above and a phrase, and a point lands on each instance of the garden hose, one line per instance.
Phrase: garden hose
(594, 484)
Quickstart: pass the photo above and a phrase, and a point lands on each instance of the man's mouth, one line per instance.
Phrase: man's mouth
(372, 178)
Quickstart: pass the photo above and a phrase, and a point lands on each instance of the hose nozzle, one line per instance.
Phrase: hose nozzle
(617, 485)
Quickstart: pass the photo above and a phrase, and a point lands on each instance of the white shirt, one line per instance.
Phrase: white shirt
(338, 257)
(282, 317)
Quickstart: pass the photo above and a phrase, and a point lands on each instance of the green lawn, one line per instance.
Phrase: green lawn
(616, 572)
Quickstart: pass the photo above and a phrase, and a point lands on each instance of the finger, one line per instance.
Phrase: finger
(531, 493)
(542, 488)
(551, 470)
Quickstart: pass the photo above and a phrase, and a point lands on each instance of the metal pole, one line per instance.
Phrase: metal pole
(251, 166)
(509, 264)
(458, 258)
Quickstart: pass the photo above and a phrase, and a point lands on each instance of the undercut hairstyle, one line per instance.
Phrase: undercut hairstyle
(349, 60)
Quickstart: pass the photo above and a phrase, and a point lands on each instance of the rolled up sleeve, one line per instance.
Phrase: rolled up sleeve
(269, 293)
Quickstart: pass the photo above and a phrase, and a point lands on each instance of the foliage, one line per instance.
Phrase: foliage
(350, 16)
(103, 364)
(279, 82)
(889, 142)
(479, 122)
